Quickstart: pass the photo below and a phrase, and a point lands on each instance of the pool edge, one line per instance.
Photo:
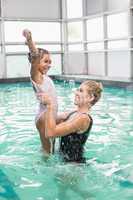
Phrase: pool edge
(107, 81)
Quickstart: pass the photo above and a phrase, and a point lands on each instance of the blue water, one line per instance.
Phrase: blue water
(26, 174)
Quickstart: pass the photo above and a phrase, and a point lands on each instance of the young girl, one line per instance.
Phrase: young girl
(75, 129)
(40, 63)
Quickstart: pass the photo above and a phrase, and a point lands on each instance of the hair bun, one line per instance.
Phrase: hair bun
(100, 85)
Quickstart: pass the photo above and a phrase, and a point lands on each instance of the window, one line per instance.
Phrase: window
(56, 64)
(50, 47)
(96, 63)
(75, 31)
(17, 66)
(119, 64)
(42, 31)
(118, 44)
(95, 46)
(16, 48)
(75, 47)
(24, 48)
(95, 29)
(117, 25)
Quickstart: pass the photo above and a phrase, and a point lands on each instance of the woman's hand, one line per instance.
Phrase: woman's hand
(44, 98)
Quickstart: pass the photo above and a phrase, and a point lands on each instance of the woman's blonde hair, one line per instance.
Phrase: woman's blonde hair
(94, 88)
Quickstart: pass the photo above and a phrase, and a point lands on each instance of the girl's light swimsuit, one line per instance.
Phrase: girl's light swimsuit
(48, 87)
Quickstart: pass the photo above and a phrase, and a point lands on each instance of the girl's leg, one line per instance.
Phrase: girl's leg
(40, 125)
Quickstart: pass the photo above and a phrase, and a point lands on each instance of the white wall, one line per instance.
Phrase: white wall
(97, 6)
(116, 4)
(94, 6)
(32, 9)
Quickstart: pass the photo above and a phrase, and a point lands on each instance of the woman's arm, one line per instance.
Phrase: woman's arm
(79, 123)
(52, 129)
(61, 117)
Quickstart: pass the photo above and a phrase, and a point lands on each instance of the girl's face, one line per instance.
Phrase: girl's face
(45, 64)
(82, 96)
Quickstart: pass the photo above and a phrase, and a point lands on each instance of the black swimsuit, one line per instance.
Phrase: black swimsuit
(72, 145)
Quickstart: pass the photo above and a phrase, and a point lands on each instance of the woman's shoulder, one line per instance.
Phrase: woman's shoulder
(86, 122)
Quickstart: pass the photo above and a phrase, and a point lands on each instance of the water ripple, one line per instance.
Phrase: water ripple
(108, 149)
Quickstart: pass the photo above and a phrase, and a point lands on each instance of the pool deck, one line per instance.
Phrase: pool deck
(107, 81)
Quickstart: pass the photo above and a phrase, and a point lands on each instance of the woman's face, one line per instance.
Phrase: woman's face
(45, 64)
(82, 96)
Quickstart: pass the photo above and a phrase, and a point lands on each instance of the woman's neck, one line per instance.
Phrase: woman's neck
(83, 109)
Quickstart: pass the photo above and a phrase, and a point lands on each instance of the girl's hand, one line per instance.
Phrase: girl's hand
(27, 34)
(44, 98)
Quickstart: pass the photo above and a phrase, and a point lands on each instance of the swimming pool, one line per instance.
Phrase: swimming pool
(26, 175)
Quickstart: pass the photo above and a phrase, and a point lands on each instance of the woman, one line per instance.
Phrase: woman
(40, 63)
(75, 129)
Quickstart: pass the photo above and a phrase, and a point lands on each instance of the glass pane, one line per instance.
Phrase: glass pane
(0, 33)
(96, 63)
(75, 31)
(71, 11)
(75, 63)
(95, 29)
(17, 66)
(50, 47)
(95, 46)
(118, 44)
(75, 47)
(56, 64)
(119, 64)
(24, 48)
(117, 25)
(16, 48)
(42, 31)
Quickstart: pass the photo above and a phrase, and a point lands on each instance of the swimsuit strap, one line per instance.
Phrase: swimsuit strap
(88, 116)
(91, 121)
(80, 113)
(70, 114)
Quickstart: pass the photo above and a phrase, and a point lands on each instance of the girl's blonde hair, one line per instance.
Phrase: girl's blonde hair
(41, 53)
(94, 88)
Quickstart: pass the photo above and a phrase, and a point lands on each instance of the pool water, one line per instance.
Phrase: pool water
(25, 174)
